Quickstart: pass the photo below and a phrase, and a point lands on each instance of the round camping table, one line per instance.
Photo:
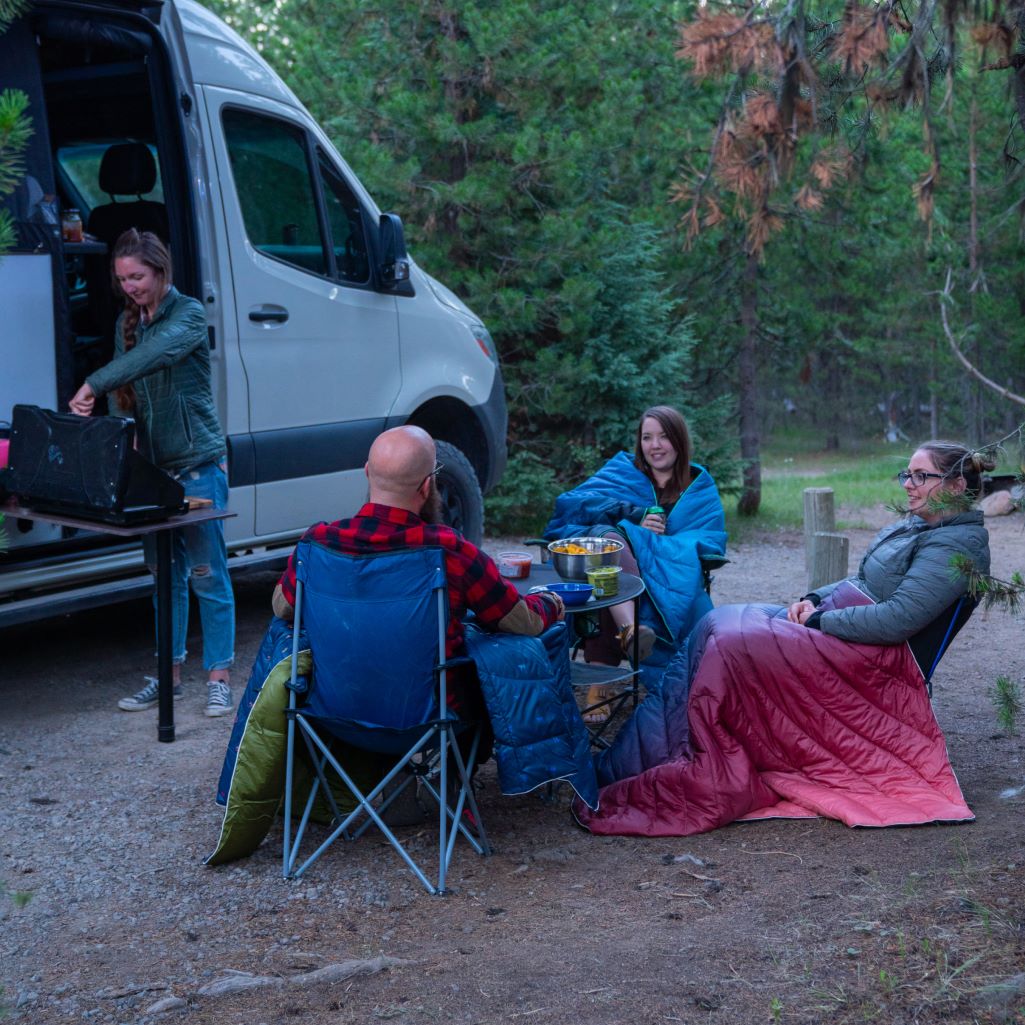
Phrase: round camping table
(590, 674)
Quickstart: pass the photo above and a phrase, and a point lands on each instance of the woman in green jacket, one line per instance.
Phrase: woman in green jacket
(160, 375)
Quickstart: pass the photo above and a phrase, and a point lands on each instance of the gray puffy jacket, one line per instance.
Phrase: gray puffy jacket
(907, 571)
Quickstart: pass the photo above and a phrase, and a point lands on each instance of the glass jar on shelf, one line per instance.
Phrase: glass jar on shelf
(71, 225)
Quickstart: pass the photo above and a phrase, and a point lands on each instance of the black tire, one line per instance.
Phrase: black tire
(461, 501)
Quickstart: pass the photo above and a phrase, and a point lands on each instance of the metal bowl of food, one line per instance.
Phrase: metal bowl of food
(574, 556)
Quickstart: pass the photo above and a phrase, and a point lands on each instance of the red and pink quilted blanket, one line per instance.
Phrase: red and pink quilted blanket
(759, 717)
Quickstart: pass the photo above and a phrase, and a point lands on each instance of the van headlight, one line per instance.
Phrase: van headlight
(483, 338)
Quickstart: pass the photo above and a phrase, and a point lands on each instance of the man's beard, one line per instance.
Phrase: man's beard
(433, 511)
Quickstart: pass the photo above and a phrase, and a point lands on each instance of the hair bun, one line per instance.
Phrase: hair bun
(982, 462)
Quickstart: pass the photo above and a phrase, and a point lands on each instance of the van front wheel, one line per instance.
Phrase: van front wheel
(462, 504)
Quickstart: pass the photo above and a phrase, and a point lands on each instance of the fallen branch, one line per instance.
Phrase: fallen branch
(704, 879)
(235, 982)
(788, 854)
(1005, 393)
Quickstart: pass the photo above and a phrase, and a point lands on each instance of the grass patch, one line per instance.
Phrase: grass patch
(860, 478)
(861, 475)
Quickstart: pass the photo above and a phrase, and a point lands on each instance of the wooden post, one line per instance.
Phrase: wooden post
(828, 558)
(818, 515)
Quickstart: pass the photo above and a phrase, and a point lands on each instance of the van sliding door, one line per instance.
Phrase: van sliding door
(320, 347)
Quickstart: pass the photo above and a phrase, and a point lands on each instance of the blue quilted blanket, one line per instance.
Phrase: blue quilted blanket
(670, 563)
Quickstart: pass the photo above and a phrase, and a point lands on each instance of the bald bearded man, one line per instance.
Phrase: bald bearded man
(404, 512)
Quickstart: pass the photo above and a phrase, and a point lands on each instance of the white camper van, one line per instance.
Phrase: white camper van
(323, 332)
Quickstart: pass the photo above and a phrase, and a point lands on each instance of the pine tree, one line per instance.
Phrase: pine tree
(525, 145)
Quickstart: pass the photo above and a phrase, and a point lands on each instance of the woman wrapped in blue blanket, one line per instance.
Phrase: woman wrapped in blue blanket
(665, 549)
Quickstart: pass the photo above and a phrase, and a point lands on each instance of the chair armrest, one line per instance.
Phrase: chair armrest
(452, 663)
(710, 562)
(302, 684)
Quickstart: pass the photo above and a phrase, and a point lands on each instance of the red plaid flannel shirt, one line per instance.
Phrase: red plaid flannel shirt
(473, 579)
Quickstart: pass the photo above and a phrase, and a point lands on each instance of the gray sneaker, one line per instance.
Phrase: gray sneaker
(147, 697)
(218, 698)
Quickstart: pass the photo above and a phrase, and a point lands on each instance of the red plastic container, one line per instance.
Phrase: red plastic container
(514, 565)
(5, 444)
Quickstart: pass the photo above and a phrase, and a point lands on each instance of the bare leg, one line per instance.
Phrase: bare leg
(623, 615)
(609, 648)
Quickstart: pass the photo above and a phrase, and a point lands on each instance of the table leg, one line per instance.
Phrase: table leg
(636, 660)
(165, 672)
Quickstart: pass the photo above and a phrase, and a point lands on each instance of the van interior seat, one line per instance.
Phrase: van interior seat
(127, 169)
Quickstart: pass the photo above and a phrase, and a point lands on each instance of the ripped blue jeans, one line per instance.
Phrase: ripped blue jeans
(198, 556)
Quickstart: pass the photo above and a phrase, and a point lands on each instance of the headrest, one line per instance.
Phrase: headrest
(128, 169)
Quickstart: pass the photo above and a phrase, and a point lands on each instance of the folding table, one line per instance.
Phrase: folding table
(162, 532)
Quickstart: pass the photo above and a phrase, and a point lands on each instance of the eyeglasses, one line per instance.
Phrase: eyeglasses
(438, 467)
(917, 477)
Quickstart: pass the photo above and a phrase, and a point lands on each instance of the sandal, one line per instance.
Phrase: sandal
(645, 641)
(599, 715)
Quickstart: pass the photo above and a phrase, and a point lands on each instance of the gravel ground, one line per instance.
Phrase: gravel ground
(769, 921)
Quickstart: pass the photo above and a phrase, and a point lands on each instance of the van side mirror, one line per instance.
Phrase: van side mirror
(394, 266)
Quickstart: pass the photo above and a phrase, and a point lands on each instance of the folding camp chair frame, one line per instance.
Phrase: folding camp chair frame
(952, 628)
(426, 759)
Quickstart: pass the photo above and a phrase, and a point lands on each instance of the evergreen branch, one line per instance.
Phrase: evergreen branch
(15, 129)
(1015, 62)
(9, 10)
(1007, 703)
(6, 231)
(990, 591)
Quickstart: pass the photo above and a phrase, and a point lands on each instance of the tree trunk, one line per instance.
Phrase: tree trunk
(976, 282)
(751, 497)
(455, 85)
(830, 404)
(1019, 94)
(934, 402)
(829, 417)
(973, 210)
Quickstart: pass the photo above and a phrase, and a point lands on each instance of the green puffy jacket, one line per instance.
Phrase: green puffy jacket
(908, 571)
(169, 367)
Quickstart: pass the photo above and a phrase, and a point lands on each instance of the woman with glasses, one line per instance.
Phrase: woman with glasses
(819, 708)
(907, 570)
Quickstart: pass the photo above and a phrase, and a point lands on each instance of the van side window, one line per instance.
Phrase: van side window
(275, 188)
(345, 217)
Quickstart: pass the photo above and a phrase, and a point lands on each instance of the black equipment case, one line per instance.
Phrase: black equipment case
(86, 467)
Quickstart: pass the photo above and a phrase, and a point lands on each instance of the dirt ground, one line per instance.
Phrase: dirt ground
(764, 922)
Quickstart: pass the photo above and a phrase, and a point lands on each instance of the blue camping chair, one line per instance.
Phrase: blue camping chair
(930, 644)
(376, 627)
